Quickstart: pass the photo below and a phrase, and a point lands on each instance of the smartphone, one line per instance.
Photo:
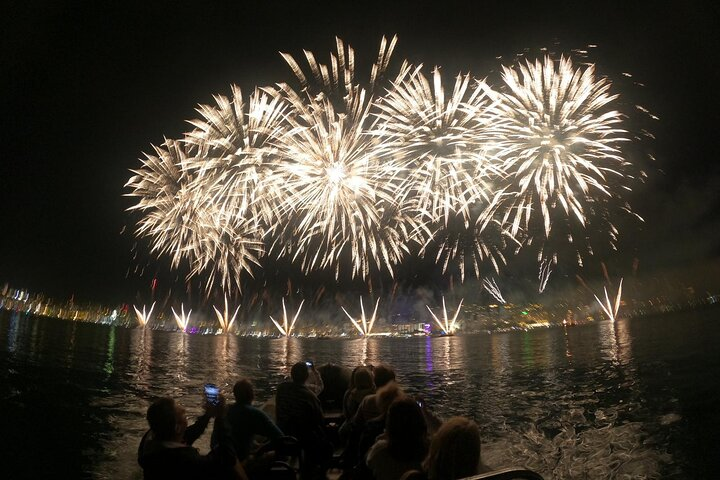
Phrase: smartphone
(212, 394)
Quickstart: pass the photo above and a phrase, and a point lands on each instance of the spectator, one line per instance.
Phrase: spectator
(362, 440)
(314, 382)
(368, 408)
(361, 385)
(246, 421)
(454, 451)
(336, 379)
(166, 451)
(300, 415)
(403, 445)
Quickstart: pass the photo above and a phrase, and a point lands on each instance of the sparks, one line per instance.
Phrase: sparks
(447, 326)
(610, 309)
(560, 148)
(224, 319)
(183, 319)
(285, 329)
(545, 269)
(492, 288)
(142, 317)
(363, 325)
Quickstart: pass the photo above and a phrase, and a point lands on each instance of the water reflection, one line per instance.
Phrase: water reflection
(12, 332)
(578, 402)
(140, 358)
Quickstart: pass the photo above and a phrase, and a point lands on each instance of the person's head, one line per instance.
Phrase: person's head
(386, 395)
(363, 379)
(383, 375)
(406, 430)
(167, 419)
(351, 385)
(299, 373)
(243, 392)
(454, 450)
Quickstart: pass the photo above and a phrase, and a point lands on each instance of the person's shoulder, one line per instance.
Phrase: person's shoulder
(368, 400)
(378, 451)
(284, 387)
(255, 411)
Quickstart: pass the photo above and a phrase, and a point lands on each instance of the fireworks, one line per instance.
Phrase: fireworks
(544, 271)
(363, 325)
(224, 319)
(341, 196)
(491, 286)
(559, 147)
(610, 309)
(354, 178)
(183, 319)
(287, 327)
(447, 326)
(445, 150)
(143, 317)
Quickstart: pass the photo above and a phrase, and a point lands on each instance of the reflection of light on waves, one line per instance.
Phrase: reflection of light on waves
(498, 381)
(444, 361)
(109, 365)
(12, 333)
(499, 349)
(225, 347)
(358, 352)
(568, 351)
(285, 351)
(592, 441)
(615, 341)
(178, 365)
(141, 351)
(71, 350)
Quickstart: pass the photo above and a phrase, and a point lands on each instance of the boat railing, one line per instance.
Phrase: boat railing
(512, 473)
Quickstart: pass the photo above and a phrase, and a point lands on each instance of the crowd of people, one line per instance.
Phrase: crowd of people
(366, 427)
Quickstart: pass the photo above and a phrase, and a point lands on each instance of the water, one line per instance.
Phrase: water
(637, 399)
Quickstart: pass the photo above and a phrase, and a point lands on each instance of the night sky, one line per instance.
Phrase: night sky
(86, 87)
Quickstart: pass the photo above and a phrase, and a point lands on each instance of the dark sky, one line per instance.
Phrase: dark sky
(86, 86)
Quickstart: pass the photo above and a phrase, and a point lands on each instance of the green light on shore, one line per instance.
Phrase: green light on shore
(524, 312)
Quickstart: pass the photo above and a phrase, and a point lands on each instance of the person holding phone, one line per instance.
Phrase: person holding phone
(166, 450)
(314, 381)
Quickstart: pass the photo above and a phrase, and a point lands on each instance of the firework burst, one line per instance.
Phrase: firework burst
(443, 144)
(143, 317)
(350, 177)
(224, 319)
(340, 194)
(182, 319)
(491, 286)
(560, 146)
(363, 325)
(172, 213)
(611, 309)
(287, 326)
(447, 326)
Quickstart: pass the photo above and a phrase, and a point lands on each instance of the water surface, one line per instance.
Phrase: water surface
(635, 399)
